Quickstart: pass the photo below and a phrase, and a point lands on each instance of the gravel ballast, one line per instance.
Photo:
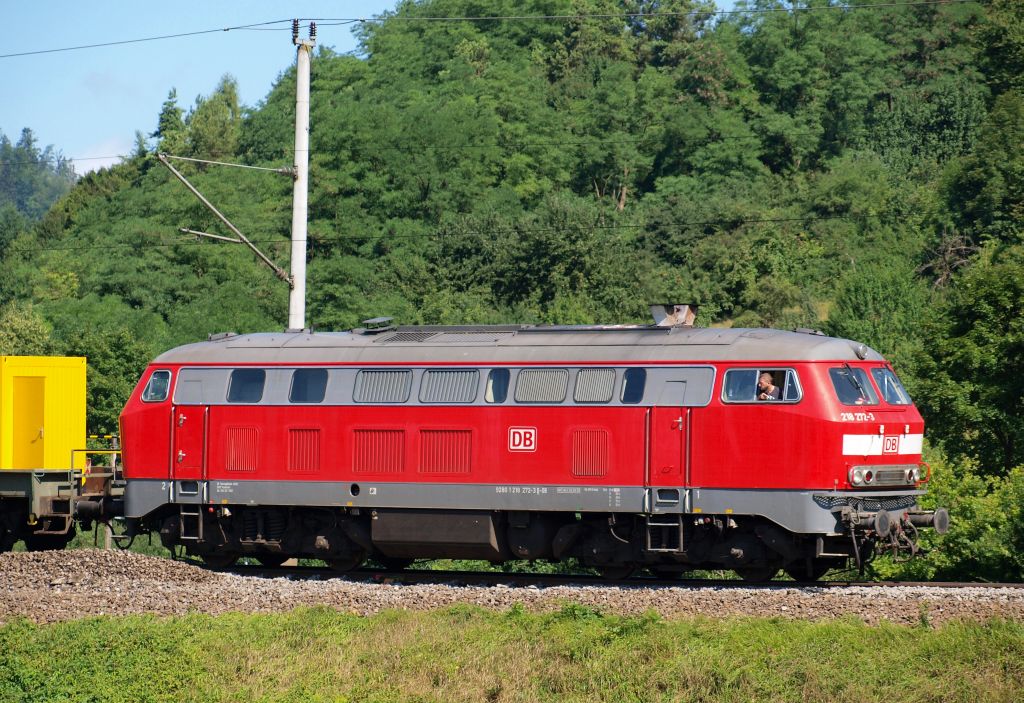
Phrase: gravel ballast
(55, 586)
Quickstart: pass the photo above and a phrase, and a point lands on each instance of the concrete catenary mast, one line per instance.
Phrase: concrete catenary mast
(300, 189)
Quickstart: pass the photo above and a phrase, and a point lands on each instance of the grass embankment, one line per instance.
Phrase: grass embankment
(468, 654)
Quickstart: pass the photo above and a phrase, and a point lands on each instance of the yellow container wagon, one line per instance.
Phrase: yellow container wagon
(42, 420)
(42, 411)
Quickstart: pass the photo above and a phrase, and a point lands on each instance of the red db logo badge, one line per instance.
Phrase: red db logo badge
(522, 439)
(891, 445)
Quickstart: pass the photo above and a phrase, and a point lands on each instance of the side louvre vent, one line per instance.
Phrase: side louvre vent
(594, 385)
(304, 451)
(589, 453)
(446, 451)
(242, 449)
(378, 451)
(383, 386)
(541, 385)
(449, 386)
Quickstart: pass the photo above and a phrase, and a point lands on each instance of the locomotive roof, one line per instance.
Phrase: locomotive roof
(519, 343)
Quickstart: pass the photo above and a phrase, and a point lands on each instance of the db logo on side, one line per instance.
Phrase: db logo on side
(891, 445)
(522, 439)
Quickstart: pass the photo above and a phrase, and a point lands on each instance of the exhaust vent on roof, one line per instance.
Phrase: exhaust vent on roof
(674, 315)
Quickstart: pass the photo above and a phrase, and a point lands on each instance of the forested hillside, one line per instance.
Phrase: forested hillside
(857, 170)
(31, 180)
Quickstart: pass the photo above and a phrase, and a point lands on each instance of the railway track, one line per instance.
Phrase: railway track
(527, 580)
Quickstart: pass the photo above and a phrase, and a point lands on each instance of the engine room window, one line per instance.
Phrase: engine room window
(308, 386)
(383, 386)
(542, 385)
(246, 385)
(852, 386)
(157, 388)
(761, 385)
(633, 382)
(594, 386)
(449, 386)
(892, 390)
(497, 386)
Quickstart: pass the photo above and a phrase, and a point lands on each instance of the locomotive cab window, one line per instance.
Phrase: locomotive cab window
(892, 390)
(308, 386)
(761, 385)
(852, 386)
(497, 386)
(246, 385)
(157, 388)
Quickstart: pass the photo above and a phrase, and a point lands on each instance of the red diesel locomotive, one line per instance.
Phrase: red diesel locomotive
(663, 447)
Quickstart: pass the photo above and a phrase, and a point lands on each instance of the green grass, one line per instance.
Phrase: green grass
(469, 654)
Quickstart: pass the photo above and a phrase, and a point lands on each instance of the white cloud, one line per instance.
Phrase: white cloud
(103, 154)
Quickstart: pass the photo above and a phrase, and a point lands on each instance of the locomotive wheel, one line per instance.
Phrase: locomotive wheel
(272, 561)
(394, 563)
(343, 564)
(616, 573)
(219, 561)
(667, 574)
(757, 574)
(798, 571)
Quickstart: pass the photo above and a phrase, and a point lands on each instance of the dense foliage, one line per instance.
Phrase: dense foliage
(860, 171)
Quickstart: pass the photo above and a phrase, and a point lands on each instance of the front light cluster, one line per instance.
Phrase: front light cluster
(885, 475)
(861, 476)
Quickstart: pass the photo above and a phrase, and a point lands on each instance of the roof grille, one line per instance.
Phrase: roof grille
(404, 337)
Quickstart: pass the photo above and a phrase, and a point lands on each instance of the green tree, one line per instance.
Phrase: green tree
(971, 388)
(24, 331)
(213, 125)
(170, 133)
(986, 188)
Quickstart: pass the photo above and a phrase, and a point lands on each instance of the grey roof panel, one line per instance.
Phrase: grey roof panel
(505, 344)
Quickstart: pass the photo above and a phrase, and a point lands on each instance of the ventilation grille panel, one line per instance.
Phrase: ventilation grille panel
(466, 337)
(304, 451)
(383, 386)
(404, 337)
(589, 453)
(242, 448)
(594, 385)
(446, 451)
(542, 385)
(449, 386)
(378, 451)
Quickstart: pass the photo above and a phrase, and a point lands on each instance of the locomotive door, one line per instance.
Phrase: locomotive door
(668, 432)
(189, 447)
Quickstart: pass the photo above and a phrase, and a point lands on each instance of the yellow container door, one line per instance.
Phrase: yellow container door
(29, 394)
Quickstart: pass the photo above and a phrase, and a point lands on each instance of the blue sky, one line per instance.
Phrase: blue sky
(89, 103)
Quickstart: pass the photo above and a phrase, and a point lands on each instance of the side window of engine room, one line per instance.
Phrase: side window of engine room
(246, 385)
(760, 385)
(852, 386)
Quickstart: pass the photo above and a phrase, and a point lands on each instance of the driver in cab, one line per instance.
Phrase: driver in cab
(766, 389)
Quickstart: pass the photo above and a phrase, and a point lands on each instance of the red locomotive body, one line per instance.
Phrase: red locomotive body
(670, 448)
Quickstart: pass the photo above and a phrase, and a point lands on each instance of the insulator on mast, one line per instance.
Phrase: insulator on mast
(312, 31)
(295, 31)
